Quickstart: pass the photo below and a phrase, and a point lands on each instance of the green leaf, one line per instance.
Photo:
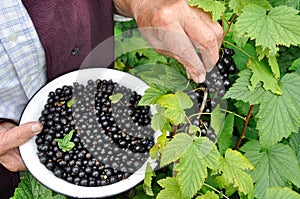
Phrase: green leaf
(241, 42)
(71, 102)
(219, 181)
(272, 60)
(275, 166)
(238, 5)
(59, 196)
(192, 166)
(171, 189)
(119, 65)
(242, 53)
(29, 187)
(224, 141)
(240, 90)
(130, 45)
(68, 147)
(294, 142)
(262, 52)
(216, 8)
(291, 3)
(278, 116)
(65, 143)
(163, 76)
(261, 73)
(192, 172)
(242, 107)
(161, 142)
(234, 169)
(281, 192)
(208, 195)
(148, 180)
(184, 100)
(140, 193)
(274, 66)
(159, 122)
(116, 97)
(150, 56)
(241, 59)
(152, 94)
(217, 120)
(175, 105)
(194, 129)
(295, 66)
(279, 26)
(174, 150)
(209, 152)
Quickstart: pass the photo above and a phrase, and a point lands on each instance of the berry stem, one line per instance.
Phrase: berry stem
(198, 115)
(237, 115)
(203, 103)
(188, 120)
(244, 128)
(215, 190)
(235, 46)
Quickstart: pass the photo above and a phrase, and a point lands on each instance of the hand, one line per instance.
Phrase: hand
(12, 136)
(175, 29)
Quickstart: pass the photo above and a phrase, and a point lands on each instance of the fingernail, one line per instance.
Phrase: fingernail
(36, 128)
(201, 78)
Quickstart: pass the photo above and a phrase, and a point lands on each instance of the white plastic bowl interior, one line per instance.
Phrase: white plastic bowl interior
(32, 112)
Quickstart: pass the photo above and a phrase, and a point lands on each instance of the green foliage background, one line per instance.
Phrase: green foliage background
(266, 165)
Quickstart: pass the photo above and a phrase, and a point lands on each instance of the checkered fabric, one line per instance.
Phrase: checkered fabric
(22, 59)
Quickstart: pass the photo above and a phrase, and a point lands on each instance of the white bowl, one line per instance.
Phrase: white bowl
(32, 112)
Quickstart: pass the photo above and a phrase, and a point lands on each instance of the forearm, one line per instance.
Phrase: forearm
(126, 7)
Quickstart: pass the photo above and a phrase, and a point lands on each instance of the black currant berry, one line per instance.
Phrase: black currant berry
(112, 140)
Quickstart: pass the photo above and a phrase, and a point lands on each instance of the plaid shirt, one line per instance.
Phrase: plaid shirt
(22, 59)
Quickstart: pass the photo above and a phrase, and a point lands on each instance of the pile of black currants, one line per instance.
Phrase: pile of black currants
(111, 135)
(212, 90)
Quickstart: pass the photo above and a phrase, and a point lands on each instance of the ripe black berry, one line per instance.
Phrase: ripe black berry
(112, 140)
(216, 84)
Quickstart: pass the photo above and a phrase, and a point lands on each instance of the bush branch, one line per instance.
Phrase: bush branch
(244, 128)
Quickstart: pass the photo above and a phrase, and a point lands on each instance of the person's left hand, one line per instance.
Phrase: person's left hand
(11, 137)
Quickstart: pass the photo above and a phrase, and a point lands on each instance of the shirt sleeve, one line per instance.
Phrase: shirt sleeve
(22, 60)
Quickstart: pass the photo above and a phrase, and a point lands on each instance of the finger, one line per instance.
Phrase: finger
(208, 46)
(12, 160)
(19, 162)
(214, 25)
(205, 36)
(189, 71)
(177, 45)
(182, 49)
(5, 126)
(18, 135)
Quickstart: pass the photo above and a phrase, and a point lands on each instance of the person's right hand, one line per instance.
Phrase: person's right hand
(11, 137)
(175, 29)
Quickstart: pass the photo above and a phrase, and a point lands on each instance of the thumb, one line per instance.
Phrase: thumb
(20, 134)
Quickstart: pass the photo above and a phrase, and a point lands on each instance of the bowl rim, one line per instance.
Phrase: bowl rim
(32, 112)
